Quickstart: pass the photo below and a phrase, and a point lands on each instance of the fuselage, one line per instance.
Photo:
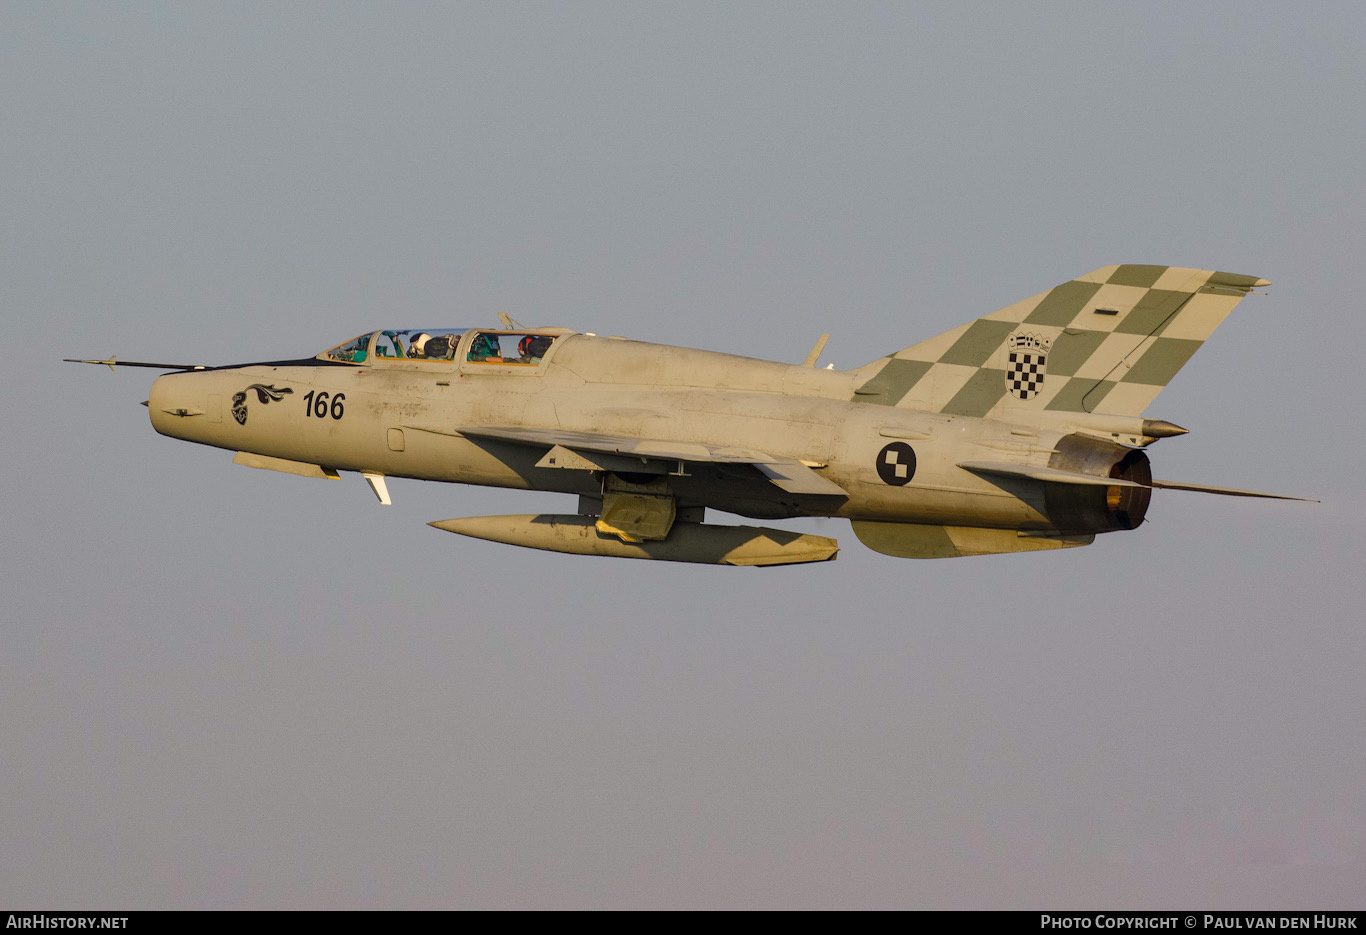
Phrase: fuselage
(1019, 431)
(403, 418)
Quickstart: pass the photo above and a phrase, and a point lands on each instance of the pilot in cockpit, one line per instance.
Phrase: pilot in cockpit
(442, 347)
(533, 347)
(485, 348)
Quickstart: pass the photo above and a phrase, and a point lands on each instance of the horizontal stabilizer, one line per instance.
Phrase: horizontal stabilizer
(1226, 491)
(1047, 474)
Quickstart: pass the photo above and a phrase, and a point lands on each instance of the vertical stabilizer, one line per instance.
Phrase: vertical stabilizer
(1107, 342)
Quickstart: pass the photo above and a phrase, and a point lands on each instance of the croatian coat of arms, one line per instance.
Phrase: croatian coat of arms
(1026, 356)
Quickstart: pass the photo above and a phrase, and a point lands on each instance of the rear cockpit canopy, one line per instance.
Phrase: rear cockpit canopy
(525, 348)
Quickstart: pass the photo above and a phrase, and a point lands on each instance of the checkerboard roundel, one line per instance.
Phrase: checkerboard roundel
(1026, 357)
(896, 464)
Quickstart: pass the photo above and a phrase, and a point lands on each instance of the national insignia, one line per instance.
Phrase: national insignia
(1027, 353)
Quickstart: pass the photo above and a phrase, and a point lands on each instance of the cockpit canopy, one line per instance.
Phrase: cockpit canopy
(508, 348)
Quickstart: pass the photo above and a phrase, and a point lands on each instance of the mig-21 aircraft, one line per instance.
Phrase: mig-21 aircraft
(1020, 431)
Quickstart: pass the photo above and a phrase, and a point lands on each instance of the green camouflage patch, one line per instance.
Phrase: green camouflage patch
(1153, 311)
(1237, 280)
(1072, 397)
(1135, 275)
(892, 382)
(982, 391)
(1062, 304)
(1071, 350)
(978, 343)
(1161, 361)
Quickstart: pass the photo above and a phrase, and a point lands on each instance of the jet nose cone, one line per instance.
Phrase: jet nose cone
(159, 399)
(178, 401)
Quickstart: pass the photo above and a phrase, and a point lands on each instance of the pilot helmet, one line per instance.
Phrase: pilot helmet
(534, 345)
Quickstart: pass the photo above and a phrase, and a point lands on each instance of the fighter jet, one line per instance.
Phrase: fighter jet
(1019, 431)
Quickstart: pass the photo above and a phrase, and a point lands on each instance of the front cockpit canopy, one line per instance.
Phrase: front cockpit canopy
(410, 344)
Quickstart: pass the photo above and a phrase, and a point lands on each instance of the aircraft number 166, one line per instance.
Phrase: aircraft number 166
(318, 407)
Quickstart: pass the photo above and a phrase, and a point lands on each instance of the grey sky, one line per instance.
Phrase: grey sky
(231, 688)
